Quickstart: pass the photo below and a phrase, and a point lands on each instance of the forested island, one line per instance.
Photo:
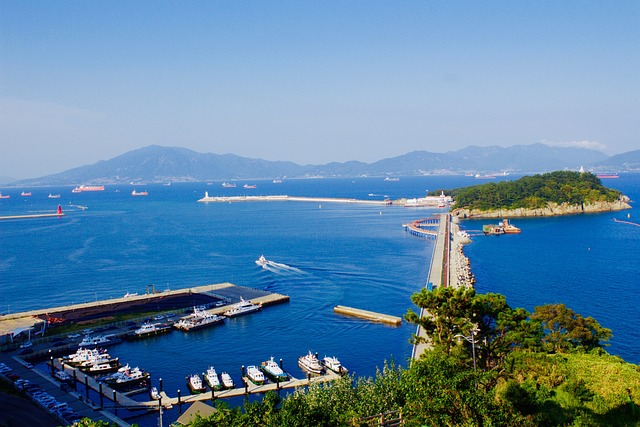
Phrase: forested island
(554, 193)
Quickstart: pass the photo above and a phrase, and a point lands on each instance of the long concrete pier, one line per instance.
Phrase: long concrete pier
(32, 216)
(285, 198)
(438, 274)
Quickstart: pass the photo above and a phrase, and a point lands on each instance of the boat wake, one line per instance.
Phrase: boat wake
(279, 268)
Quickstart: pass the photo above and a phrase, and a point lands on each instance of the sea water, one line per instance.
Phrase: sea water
(324, 254)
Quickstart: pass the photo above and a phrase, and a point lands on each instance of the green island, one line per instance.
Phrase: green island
(554, 193)
(487, 365)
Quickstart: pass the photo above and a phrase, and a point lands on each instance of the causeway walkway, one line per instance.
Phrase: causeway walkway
(438, 273)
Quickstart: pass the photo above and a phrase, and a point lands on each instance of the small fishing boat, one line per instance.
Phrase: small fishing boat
(255, 375)
(211, 377)
(273, 370)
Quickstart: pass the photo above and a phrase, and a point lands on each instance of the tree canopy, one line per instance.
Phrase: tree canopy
(535, 191)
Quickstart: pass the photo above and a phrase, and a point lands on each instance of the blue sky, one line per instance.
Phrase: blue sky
(312, 82)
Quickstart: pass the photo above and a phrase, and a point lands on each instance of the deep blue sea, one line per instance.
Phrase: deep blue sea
(334, 254)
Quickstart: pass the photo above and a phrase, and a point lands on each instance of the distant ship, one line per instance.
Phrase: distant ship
(607, 175)
(228, 185)
(139, 193)
(26, 194)
(83, 188)
(392, 179)
(248, 186)
(3, 196)
(53, 196)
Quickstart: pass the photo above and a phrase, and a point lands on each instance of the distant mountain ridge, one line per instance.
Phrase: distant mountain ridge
(174, 164)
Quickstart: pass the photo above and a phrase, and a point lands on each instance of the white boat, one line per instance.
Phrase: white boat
(98, 341)
(148, 329)
(229, 185)
(310, 363)
(53, 196)
(62, 376)
(155, 395)
(273, 370)
(194, 382)
(243, 307)
(277, 181)
(332, 362)
(227, 382)
(139, 193)
(26, 344)
(249, 186)
(127, 378)
(255, 375)
(262, 261)
(212, 379)
(200, 318)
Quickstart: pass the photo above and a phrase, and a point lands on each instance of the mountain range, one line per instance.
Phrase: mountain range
(173, 164)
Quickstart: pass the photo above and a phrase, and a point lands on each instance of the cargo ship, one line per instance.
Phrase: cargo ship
(83, 188)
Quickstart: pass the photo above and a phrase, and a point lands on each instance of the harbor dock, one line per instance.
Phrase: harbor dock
(368, 315)
(217, 297)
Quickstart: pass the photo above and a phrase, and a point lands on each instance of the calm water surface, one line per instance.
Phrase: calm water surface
(331, 254)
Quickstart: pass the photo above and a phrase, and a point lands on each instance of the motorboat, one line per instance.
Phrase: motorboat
(126, 378)
(310, 363)
(200, 318)
(148, 329)
(211, 377)
(255, 375)
(227, 382)
(273, 370)
(262, 261)
(241, 308)
(194, 382)
(53, 196)
(155, 395)
(332, 362)
(98, 341)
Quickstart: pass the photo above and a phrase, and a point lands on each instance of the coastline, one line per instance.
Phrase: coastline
(552, 209)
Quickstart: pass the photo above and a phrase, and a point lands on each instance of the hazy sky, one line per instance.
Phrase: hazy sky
(312, 82)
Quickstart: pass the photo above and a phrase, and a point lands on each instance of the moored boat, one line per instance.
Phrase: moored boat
(198, 319)
(332, 362)
(310, 363)
(227, 382)
(194, 382)
(241, 308)
(273, 370)
(155, 395)
(99, 341)
(211, 377)
(255, 375)
(128, 378)
(509, 228)
(148, 329)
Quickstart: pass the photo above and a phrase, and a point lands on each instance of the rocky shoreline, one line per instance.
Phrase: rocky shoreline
(552, 209)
